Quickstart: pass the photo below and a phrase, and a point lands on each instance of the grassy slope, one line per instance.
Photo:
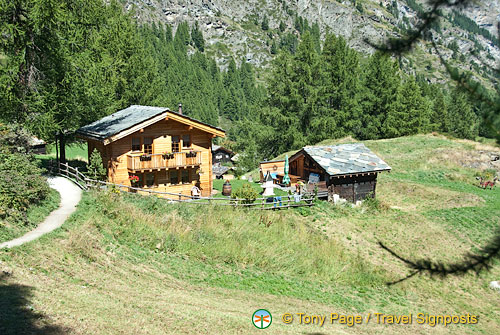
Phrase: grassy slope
(184, 269)
(35, 214)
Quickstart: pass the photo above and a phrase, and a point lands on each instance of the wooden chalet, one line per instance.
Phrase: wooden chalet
(221, 154)
(349, 170)
(163, 149)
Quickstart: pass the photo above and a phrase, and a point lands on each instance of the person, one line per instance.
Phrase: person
(195, 192)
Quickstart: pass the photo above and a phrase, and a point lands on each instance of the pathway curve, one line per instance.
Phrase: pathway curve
(70, 196)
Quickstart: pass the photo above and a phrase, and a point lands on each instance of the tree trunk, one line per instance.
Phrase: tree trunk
(62, 148)
(57, 153)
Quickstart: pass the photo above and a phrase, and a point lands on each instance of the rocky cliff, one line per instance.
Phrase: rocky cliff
(233, 28)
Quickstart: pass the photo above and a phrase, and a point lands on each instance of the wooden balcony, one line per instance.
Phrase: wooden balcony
(140, 162)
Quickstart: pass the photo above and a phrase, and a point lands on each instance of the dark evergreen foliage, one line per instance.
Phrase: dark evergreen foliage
(89, 59)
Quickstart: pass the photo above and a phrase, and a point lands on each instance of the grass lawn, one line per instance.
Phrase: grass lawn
(130, 264)
(74, 151)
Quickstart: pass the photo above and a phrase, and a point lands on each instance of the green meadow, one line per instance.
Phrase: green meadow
(130, 264)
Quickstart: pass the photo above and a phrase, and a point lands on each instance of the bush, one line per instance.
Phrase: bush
(246, 192)
(21, 184)
(374, 204)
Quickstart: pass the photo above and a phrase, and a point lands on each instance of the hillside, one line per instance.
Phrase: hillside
(467, 38)
(140, 265)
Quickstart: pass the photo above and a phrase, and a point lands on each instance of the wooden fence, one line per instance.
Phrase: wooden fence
(278, 202)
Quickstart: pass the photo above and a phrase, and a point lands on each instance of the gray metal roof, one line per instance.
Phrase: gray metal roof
(121, 120)
(346, 159)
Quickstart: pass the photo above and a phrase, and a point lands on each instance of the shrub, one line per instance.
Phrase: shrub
(374, 204)
(21, 185)
(96, 169)
(246, 192)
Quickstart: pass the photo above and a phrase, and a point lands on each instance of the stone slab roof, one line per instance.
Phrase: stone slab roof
(346, 159)
(121, 120)
(124, 119)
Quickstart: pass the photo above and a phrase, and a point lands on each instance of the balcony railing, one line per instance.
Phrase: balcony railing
(163, 161)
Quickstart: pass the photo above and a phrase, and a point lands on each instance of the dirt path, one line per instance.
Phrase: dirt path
(70, 196)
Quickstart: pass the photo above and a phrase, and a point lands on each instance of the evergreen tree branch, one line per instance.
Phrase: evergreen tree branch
(427, 19)
(472, 262)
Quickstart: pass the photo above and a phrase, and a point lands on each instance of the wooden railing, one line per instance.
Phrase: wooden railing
(65, 170)
(163, 161)
(283, 202)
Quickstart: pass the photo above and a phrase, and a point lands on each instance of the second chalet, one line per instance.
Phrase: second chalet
(154, 147)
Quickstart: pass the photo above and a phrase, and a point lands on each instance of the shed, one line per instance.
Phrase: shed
(219, 171)
(37, 146)
(349, 170)
(275, 168)
(221, 154)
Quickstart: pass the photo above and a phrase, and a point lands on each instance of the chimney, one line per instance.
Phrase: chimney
(180, 109)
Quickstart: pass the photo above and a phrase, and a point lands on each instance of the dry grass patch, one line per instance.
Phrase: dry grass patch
(474, 159)
(408, 196)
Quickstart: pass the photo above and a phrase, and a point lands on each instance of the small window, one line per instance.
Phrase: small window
(148, 145)
(150, 179)
(176, 144)
(136, 144)
(185, 176)
(174, 177)
(186, 141)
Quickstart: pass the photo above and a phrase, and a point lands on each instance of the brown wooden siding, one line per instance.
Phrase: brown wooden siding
(277, 167)
(116, 155)
(353, 188)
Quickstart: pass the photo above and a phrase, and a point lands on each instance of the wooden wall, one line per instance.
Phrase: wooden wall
(353, 188)
(302, 166)
(277, 167)
(115, 154)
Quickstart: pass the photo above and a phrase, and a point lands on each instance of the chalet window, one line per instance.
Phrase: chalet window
(186, 141)
(185, 176)
(174, 177)
(136, 144)
(148, 145)
(150, 179)
(176, 144)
